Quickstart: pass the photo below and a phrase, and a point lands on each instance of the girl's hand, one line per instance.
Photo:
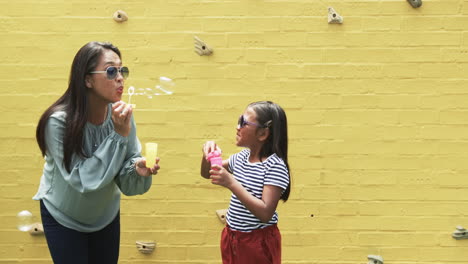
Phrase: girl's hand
(208, 147)
(220, 176)
(144, 171)
(121, 116)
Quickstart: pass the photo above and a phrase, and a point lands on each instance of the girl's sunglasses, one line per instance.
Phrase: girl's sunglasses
(111, 72)
(242, 123)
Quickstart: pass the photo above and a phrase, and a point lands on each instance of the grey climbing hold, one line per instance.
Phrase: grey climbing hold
(460, 233)
(415, 3)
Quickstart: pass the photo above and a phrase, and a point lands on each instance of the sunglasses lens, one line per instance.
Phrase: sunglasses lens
(125, 72)
(111, 72)
(241, 122)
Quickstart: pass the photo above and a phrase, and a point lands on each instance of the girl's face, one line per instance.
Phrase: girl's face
(98, 84)
(247, 135)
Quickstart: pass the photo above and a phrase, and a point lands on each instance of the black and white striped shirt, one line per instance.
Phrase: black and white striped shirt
(253, 176)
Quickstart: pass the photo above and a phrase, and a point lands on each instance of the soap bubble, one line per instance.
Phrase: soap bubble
(164, 87)
(24, 220)
(149, 93)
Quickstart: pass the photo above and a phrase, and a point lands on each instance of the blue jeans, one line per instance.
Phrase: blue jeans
(69, 246)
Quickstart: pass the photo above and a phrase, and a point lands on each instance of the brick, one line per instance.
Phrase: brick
(273, 55)
(381, 23)
(244, 40)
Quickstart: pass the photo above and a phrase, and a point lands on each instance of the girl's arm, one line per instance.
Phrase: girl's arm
(205, 168)
(263, 208)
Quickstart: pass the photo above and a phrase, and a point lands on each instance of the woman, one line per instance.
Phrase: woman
(92, 154)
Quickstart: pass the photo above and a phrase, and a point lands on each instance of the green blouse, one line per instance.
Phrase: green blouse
(88, 198)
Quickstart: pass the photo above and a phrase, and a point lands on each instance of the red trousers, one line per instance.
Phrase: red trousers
(261, 246)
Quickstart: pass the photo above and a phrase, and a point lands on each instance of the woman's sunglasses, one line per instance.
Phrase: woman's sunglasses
(111, 72)
(242, 123)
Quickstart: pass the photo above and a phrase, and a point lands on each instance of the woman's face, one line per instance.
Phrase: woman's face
(99, 86)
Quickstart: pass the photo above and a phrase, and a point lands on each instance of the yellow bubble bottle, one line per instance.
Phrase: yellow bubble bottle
(151, 153)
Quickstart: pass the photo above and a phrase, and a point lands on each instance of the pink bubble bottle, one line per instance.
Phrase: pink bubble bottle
(215, 158)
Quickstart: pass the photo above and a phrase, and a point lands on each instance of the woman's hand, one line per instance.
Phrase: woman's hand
(121, 116)
(144, 171)
(208, 147)
(220, 176)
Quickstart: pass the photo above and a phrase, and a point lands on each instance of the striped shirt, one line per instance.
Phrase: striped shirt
(253, 176)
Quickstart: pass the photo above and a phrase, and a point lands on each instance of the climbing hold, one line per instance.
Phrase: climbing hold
(120, 16)
(221, 213)
(460, 233)
(334, 17)
(145, 247)
(36, 229)
(415, 3)
(374, 259)
(201, 48)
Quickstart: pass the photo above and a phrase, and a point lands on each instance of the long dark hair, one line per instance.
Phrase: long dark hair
(74, 102)
(273, 116)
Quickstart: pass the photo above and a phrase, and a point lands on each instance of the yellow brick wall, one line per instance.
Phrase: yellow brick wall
(377, 108)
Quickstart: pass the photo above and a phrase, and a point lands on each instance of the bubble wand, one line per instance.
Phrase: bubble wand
(131, 91)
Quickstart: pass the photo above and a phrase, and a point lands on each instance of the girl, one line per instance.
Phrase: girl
(92, 154)
(258, 178)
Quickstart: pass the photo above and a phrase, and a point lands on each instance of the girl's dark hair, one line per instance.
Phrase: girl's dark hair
(273, 117)
(74, 102)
